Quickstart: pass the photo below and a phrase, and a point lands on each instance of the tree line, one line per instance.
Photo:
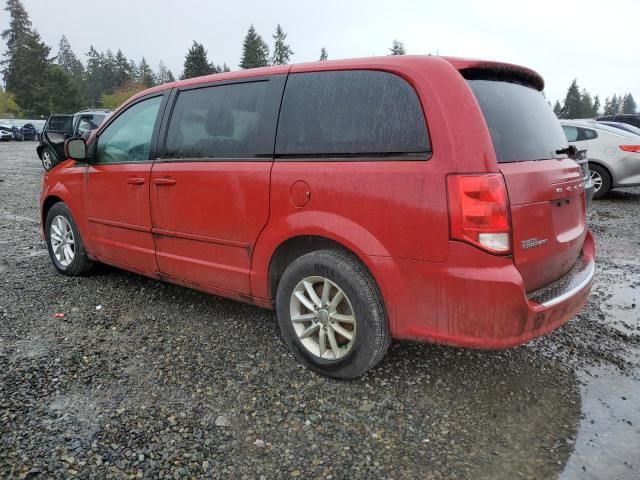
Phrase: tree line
(578, 103)
(39, 82)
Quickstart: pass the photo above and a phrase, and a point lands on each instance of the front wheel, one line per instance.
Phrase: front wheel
(331, 314)
(64, 242)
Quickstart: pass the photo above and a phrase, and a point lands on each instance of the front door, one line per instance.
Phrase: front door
(117, 188)
(210, 191)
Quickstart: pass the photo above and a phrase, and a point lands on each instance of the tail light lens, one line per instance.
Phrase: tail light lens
(630, 148)
(478, 211)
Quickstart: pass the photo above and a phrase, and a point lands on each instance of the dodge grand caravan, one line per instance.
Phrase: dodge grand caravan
(406, 197)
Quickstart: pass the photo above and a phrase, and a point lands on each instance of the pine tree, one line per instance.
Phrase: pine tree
(557, 109)
(225, 68)
(572, 106)
(629, 104)
(196, 62)
(145, 74)
(281, 51)
(323, 54)
(615, 104)
(586, 104)
(68, 60)
(19, 29)
(122, 72)
(255, 52)
(596, 106)
(397, 48)
(164, 74)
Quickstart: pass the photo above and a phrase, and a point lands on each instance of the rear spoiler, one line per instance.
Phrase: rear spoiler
(504, 73)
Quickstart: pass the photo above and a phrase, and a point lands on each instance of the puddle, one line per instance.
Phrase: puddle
(620, 302)
(608, 438)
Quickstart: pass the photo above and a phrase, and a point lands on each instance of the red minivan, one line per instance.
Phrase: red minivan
(408, 197)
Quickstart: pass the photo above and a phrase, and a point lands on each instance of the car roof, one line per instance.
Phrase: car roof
(389, 62)
(590, 123)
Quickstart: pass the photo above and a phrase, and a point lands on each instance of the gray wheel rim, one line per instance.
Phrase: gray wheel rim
(46, 159)
(323, 318)
(62, 241)
(596, 179)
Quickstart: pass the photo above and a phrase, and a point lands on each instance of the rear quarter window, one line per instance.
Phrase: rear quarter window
(521, 123)
(350, 113)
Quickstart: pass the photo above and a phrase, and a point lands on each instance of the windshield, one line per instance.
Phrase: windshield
(521, 122)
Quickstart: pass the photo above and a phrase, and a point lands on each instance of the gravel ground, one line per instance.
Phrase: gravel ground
(142, 379)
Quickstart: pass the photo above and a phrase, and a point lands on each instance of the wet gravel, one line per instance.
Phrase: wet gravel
(141, 379)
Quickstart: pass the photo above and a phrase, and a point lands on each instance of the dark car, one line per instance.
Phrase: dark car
(5, 133)
(17, 134)
(60, 127)
(29, 132)
(630, 118)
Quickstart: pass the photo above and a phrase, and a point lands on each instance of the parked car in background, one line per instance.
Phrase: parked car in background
(29, 131)
(630, 118)
(17, 134)
(321, 190)
(627, 127)
(613, 153)
(60, 127)
(6, 134)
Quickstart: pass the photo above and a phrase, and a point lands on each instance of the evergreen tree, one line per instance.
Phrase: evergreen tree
(615, 104)
(607, 106)
(281, 51)
(145, 74)
(586, 109)
(63, 95)
(596, 106)
(572, 106)
(164, 74)
(19, 29)
(94, 79)
(225, 68)
(323, 54)
(397, 48)
(629, 104)
(68, 60)
(196, 62)
(557, 109)
(255, 52)
(122, 72)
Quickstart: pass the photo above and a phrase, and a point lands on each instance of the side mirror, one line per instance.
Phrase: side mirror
(75, 148)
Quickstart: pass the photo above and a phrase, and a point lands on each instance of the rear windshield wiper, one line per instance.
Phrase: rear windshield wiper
(571, 151)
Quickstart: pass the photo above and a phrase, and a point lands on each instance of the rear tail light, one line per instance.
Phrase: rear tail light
(478, 211)
(630, 148)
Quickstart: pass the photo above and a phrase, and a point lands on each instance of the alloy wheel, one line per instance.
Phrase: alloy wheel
(46, 160)
(596, 179)
(323, 318)
(62, 240)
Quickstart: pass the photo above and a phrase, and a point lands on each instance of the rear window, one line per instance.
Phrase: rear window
(522, 125)
(350, 113)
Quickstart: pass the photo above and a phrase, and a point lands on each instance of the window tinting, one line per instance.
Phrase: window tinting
(571, 133)
(358, 112)
(589, 134)
(128, 137)
(521, 122)
(218, 121)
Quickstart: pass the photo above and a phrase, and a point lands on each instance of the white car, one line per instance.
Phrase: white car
(613, 153)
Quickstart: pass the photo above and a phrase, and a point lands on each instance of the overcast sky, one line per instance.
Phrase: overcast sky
(597, 42)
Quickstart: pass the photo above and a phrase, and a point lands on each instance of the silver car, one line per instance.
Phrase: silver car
(613, 153)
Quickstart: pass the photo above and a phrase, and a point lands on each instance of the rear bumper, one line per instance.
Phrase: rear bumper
(484, 305)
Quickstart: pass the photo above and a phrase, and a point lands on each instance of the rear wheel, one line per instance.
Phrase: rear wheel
(331, 314)
(47, 159)
(64, 242)
(601, 180)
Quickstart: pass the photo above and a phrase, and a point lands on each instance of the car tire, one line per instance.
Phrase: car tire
(48, 159)
(601, 180)
(347, 330)
(64, 242)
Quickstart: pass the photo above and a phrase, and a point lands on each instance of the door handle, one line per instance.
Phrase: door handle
(165, 181)
(135, 181)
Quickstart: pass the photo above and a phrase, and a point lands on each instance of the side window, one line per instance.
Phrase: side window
(218, 121)
(347, 113)
(571, 133)
(128, 137)
(589, 134)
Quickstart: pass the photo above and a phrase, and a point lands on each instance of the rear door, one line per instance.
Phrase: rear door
(210, 189)
(546, 190)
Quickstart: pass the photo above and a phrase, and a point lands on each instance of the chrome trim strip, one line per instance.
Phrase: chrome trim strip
(561, 298)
